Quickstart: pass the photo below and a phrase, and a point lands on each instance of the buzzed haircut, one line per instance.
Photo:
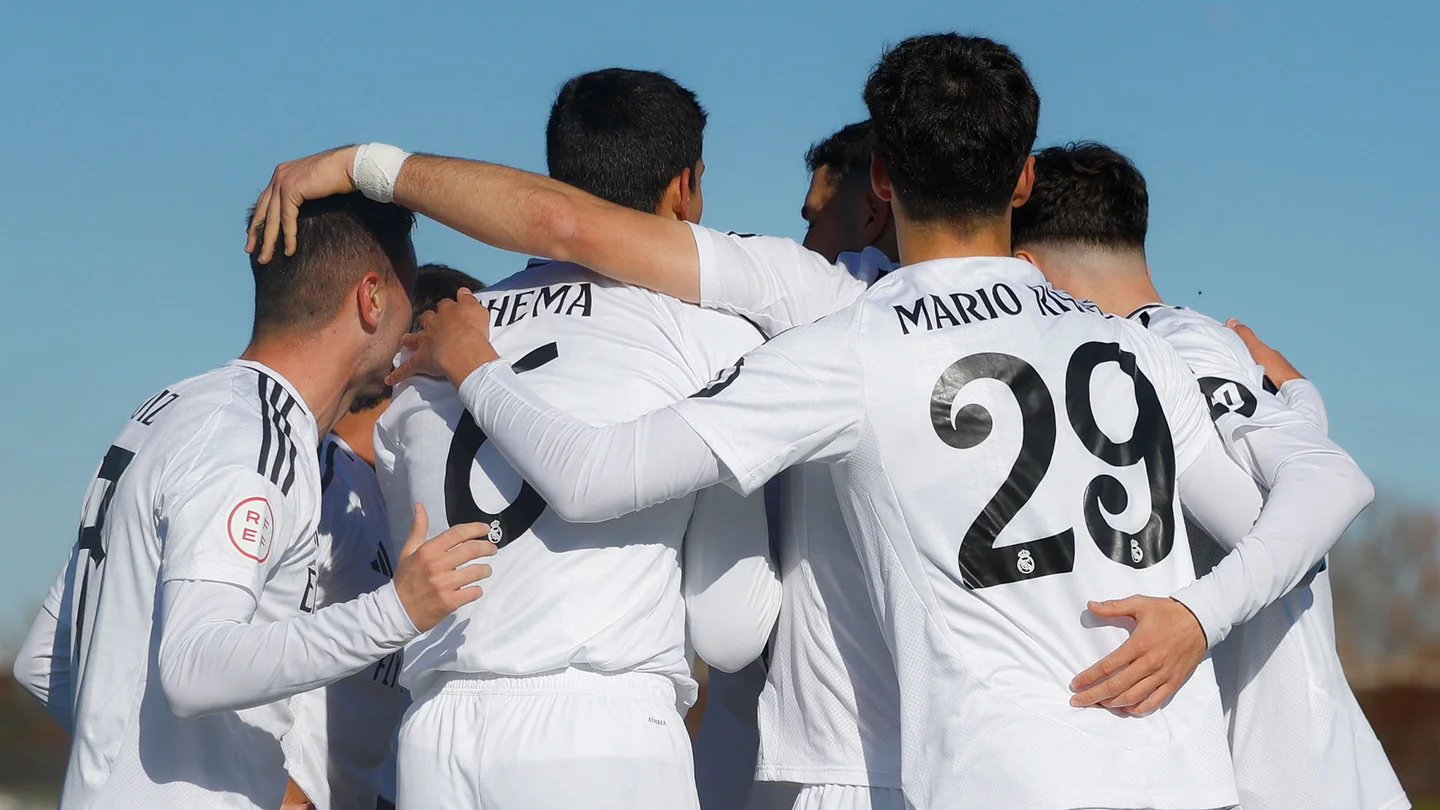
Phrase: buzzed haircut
(435, 283)
(846, 153)
(955, 119)
(624, 135)
(1085, 193)
(337, 240)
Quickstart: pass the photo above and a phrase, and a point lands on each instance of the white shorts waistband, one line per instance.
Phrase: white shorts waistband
(571, 681)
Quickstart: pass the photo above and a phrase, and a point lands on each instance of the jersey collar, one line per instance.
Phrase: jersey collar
(277, 377)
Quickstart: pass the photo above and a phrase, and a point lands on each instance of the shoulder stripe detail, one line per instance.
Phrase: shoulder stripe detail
(277, 449)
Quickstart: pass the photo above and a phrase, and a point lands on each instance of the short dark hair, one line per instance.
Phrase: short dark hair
(954, 119)
(435, 283)
(846, 153)
(1084, 193)
(624, 135)
(337, 240)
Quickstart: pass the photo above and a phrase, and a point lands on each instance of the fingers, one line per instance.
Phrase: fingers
(290, 220)
(1157, 699)
(256, 218)
(1137, 693)
(1117, 608)
(1124, 679)
(1102, 672)
(471, 574)
(419, 527)
(272, 225)
(465, 552)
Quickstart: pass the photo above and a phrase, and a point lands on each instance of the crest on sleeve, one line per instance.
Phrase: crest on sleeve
(251, 526)
(1227, 396)
(721, 381)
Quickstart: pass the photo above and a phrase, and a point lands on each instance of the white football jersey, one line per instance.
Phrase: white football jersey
(1005, 454)
(1298, 737)
(215, 479)
(605, 596)
(342, 735)
(830, 710)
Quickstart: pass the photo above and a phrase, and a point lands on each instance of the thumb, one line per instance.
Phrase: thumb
(418, 530)
(1115, 608)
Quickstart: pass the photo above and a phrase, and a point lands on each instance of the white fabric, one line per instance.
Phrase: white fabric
(794, 796)
(610, 596)
(1298, 736)
(1302, 396)
(178, 497)
(341, 740)
(376, 168)
(42, 665)
(213, 658)
(830, 712)
(574, 739)
(982, 670)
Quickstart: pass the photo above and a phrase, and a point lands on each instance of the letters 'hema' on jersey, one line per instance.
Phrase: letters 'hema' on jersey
(1006, 454)
(605, 596)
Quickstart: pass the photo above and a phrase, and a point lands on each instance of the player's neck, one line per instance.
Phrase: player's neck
(922, 242)
(358, 431)
(1116, 279)
(310, 363)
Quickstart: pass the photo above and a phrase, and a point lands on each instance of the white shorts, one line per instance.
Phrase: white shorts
(572, 739)
(793, 796)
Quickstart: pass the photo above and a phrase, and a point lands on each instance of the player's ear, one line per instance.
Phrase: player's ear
(370, 300)
(877, 215)
(1026, 255)
(880, 177)
(675, 199)
(1025, 184)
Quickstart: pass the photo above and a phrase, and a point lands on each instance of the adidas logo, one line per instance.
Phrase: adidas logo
(381, 564)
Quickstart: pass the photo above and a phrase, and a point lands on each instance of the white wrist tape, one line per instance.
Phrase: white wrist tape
(376, 167)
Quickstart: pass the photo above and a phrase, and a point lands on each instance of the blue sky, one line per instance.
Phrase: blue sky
(1286, 146)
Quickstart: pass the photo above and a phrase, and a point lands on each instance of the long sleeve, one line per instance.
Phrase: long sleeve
(212, 658)
(1315, 495)
(43, 665)
(732, 590)
(1304, 398)
(588, 474)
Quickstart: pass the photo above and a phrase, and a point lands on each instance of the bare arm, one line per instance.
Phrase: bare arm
(500, 206)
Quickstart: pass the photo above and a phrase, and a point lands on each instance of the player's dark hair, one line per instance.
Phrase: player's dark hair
(435, 283)
(954, 119)
(1085, 193)
(337, 240)
(846, 153)
(623, 135)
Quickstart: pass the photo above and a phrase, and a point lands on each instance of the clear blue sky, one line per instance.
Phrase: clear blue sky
(1287, 145)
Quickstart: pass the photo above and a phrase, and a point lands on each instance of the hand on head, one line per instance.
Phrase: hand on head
(292, 183)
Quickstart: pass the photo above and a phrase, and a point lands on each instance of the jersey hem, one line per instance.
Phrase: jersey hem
(810, 777)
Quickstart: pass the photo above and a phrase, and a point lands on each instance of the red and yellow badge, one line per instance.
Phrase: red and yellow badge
(251, 524)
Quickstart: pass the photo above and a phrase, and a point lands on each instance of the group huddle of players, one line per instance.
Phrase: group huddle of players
(974, 518)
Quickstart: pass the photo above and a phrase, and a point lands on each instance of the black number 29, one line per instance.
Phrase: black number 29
(460, 507)
(982, 565)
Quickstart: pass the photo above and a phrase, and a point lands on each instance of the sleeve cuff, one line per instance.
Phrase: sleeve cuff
(1197, 597)
(393, 615)
(705, 253)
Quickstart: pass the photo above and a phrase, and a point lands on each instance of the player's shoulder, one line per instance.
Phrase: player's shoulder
(1205, 344)
(243, 415)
